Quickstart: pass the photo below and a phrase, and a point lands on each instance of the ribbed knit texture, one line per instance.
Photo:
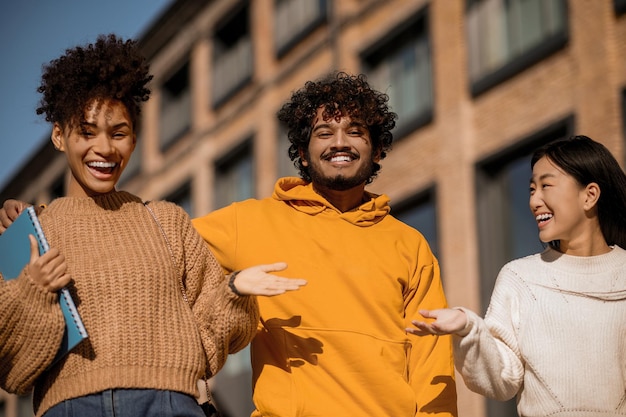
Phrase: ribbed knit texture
(142, 334)
(554, 334)
(338, 346)
(31, 328)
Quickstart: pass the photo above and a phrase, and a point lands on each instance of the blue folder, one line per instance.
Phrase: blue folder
(15, 255)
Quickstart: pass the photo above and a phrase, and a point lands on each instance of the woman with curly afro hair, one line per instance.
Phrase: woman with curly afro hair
(159, 312)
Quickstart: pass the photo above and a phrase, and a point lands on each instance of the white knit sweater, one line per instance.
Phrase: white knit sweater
(554, 334)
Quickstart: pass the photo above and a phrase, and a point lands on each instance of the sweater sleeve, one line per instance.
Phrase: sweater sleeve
(31, 328)
(488, 357)
(431, 371)
(227, 322)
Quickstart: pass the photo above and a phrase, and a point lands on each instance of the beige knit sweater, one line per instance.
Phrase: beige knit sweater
(554, 336)
(142, 334)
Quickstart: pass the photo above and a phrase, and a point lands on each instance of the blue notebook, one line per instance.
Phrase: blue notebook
(15, 255)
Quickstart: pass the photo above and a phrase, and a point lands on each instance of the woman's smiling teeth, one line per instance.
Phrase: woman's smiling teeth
(543, 217)
(102, 165)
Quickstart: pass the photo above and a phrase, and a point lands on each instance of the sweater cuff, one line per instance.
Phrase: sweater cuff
(469, 324)
(31, 291)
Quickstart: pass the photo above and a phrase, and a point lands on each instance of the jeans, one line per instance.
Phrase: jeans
(129, 403)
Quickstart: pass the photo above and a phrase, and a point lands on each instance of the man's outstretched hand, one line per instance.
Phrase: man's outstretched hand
(257, 280)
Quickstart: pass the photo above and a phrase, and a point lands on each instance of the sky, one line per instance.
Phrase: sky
(32, 33)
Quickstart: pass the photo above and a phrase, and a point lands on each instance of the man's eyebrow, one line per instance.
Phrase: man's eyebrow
(353, 123)
(357, 123)
(321, 126)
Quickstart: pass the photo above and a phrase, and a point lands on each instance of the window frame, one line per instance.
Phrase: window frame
(492, 240)
(517, 64)
(284, 165)
(493, 215)
(294, 38)
(413, 30)
(182, 103)
(420, 199)
(225, 51)
(134, 165)
(623, 100)
(180, 194)
(244, 149)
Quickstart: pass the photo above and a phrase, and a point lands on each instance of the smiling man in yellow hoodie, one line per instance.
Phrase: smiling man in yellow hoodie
(338, 347)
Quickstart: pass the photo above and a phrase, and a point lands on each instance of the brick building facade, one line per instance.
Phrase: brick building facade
(477, 84)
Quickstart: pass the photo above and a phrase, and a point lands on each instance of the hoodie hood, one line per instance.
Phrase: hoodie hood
(300, 195)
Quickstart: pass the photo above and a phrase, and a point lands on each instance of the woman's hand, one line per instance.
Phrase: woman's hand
(256, 280)
(447, 321)
(49, 271)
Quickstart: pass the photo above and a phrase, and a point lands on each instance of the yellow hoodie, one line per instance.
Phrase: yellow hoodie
(337, 347)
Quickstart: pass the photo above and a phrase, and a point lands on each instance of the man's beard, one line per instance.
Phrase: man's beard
(340, 182)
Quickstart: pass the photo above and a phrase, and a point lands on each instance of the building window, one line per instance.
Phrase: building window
(506, 228)
(182, 197)
(400, 65)
(57, 188)
(286, 168)
(624, 121)
(420, 212)
(234, 176)
(232, 56)
(619, 6)
(294, 20)
(133, 167)
(175, 107)
(234, 181)
(507, 36)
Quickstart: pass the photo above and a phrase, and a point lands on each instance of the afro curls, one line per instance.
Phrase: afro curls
(110, 68)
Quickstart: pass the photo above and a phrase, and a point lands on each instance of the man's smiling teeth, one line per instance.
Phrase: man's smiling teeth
(101, 164)
(340, 158)
(543, 217)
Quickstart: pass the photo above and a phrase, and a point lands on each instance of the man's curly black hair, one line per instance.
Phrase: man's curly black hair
(110, 68)
(340, 94)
